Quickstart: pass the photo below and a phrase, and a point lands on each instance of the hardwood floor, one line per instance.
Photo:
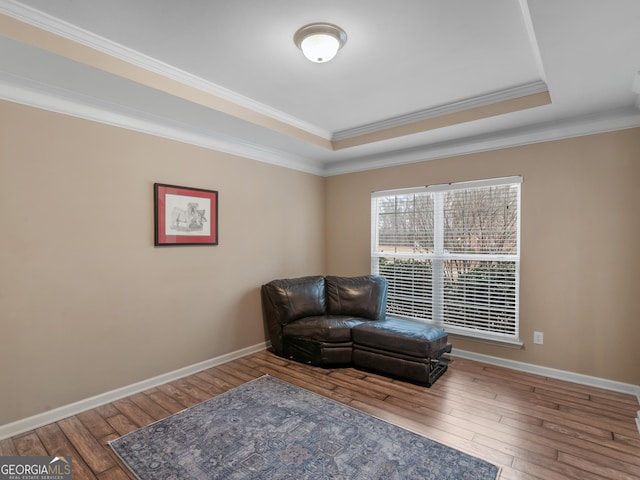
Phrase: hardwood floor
(531, 426)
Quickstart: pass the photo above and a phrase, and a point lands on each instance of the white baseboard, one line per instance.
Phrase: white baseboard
(45, 418)
(552, 372)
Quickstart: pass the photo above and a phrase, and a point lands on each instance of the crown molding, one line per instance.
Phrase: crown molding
(76, 34)
(619, 119)
(533, 40)
(46, 97)
(480, 101)
(89, 39)
(35, 94)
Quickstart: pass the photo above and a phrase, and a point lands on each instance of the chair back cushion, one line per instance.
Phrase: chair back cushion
(364, 296)
(287, 300)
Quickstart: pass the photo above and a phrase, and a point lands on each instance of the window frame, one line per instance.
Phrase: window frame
(440, 255)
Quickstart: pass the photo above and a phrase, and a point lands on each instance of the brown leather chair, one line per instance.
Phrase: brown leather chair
(309, 319)
(328, 321)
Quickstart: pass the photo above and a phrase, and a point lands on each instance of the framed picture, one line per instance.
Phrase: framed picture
(185, 216)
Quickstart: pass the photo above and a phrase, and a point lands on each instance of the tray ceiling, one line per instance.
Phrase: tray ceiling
(416, 79)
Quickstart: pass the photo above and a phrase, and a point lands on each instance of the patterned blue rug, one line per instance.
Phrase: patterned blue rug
(270, 429)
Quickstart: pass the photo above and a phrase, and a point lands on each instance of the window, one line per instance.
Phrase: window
(451, 255)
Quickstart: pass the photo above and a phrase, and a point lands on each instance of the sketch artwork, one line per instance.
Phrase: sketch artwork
(185, 215)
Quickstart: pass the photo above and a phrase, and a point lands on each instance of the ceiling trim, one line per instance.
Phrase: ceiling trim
(49, 33)
(82, 45)
(59, 27)
(533, 40)
(443, 110)
(449, 119)
(592, 124)
(72, 33)
(36, 94)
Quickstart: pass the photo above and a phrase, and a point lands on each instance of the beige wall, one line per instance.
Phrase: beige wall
(580, 258)
(87, 303)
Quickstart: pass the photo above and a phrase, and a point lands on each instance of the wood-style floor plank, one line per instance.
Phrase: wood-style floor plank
(29, 444)
(7, 449)
(86, 444)
(95, 423)
(146, 404)
(532, 427)
(165, 401)
(122, 424)
(134, 413)
(56, 443)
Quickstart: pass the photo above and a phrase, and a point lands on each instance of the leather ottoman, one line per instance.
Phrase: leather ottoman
(401, 348)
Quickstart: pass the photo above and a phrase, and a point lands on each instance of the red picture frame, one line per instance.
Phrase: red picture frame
(185, 216)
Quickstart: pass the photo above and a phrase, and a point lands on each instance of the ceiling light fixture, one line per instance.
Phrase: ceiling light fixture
(320, 41)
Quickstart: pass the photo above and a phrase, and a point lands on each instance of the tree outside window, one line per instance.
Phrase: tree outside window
(451, 254)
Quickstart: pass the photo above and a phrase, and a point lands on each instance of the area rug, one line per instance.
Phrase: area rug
(270, 429)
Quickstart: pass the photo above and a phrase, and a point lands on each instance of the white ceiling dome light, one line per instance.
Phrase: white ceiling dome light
(320, 41)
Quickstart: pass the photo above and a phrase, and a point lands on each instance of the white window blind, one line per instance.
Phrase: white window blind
(451, 255)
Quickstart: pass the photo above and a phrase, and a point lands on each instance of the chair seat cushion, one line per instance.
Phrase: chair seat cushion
(401, 336)
(325, 328)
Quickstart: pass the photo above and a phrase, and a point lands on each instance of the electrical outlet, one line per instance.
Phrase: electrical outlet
(538, 338)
